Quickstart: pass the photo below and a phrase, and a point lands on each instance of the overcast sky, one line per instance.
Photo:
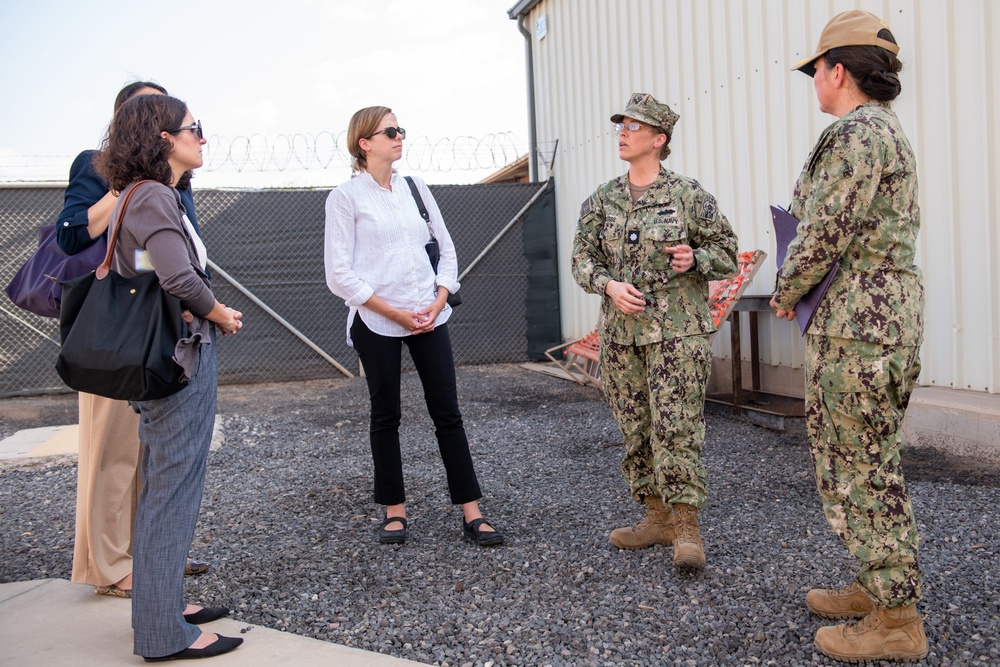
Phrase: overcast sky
(280, 71)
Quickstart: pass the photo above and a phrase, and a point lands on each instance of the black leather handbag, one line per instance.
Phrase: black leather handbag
(119, 334)
(432, 247)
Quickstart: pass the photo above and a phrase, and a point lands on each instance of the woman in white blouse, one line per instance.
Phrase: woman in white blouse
(377, 262)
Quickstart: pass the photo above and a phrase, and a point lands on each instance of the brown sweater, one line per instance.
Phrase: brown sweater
(154, 222)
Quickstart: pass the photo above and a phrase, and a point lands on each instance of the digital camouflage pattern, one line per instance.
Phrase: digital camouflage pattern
(617, 239)
(856, 396)
(655, 364)
(657, 395)
(856, 199)
(644, 107)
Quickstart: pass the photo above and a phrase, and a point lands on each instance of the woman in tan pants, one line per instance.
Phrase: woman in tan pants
(106, 495)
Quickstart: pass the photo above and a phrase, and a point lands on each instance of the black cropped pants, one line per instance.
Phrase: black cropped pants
(435, 364)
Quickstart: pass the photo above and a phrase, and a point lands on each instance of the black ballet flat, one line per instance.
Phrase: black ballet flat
(484, 538)
(392, 536)
(206, 615)
(218, 647)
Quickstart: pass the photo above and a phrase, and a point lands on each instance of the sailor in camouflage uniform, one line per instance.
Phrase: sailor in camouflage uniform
(649, 242)
(856, 199)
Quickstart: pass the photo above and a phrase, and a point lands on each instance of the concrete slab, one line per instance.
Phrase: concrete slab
(966, 423)
(45, 441)
(32, 443)
(52, 622)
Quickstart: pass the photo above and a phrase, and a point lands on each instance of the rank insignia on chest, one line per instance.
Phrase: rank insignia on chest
(633, 236)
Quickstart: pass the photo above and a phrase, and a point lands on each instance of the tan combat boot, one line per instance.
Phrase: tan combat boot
(884, 634)
(850, 602)
(688, 548)
(656, 528)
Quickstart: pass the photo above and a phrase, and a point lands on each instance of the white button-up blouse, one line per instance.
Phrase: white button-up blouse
(374, 244)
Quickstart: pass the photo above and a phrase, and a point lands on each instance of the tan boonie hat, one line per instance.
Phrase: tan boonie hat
(853, 28)
(644, 108)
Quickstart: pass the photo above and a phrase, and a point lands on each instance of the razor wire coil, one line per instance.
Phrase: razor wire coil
(305, 152)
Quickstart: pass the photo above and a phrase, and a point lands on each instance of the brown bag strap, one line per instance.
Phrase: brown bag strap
(105, 266)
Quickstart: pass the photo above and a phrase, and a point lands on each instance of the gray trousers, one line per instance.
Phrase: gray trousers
(174, 434)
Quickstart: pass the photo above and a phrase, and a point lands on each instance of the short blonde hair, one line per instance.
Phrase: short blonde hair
(364, 123)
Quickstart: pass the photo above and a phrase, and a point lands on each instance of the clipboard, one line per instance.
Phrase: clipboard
(785, 229)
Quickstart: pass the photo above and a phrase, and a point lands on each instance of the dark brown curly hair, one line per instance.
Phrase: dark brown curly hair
(133, 149)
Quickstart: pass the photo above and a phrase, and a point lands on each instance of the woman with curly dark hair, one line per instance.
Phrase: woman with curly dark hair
(154, 139)
(107, 475)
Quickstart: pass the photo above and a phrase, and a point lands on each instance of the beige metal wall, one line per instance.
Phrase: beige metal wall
(747, 124)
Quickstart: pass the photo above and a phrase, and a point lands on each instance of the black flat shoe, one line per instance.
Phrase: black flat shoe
(196, 566)
(484, 538)
(392, 536)
(206, 615)
(218, 647)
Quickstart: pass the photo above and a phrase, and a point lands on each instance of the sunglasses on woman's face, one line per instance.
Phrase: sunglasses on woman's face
(196, 128)
(391, 132)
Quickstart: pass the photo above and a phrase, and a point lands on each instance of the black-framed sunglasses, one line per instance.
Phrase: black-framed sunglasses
(196, 128)
(391, 132)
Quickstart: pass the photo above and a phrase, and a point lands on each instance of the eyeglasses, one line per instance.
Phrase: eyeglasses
(196, 128)
(631, 126)
(391, 132)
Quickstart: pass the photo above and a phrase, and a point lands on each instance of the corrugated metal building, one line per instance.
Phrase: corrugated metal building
(748, 123)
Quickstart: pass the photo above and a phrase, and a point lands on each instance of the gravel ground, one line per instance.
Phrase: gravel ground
(289, 525)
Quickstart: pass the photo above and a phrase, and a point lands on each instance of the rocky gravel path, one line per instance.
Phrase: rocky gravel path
(289, 525)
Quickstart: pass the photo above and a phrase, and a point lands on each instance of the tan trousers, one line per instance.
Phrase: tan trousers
(107, 490)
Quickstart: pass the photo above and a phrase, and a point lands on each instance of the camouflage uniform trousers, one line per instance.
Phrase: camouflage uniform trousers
(856, 395)
(657, 395)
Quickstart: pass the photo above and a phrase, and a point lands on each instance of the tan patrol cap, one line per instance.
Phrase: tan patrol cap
(852, 28)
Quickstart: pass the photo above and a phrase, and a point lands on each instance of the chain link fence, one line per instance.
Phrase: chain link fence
(266, 253)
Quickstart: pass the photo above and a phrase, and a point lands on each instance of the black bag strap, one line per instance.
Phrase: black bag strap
(420, 204)
(105, 266)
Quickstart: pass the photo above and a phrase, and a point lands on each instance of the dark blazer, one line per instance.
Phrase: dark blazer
(84, 190)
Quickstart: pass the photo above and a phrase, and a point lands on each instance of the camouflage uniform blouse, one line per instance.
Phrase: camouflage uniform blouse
(617, 239)
(856, 199)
